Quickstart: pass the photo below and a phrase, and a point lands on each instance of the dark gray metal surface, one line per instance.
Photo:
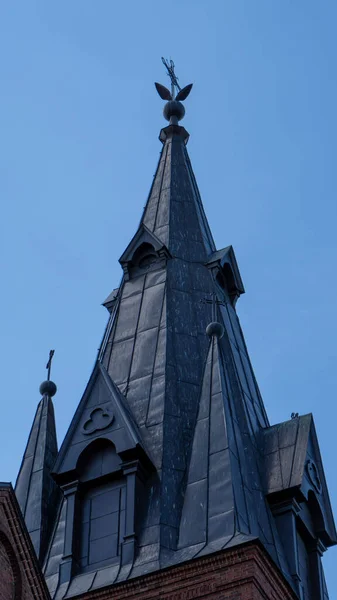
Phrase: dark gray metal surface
(293, 461)
(224, 493)
(35, 490)
(190, 405)
(156, 354)
(102, 413)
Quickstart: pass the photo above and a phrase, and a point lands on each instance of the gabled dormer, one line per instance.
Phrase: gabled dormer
(225, 270)
(298, 495)
(101, 468)
(146, 252)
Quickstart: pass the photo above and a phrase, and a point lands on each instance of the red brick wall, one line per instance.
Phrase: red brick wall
(20, 577)
(7, 581)
(245, 573)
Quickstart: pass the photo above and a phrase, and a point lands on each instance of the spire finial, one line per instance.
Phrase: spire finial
(170, 66)
(174, 111)
(48, 387)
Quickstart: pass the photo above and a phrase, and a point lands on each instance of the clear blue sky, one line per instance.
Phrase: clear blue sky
(79, 120)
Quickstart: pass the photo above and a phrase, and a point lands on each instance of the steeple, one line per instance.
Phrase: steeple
(35, 489)
(174, 211)
(169, 456)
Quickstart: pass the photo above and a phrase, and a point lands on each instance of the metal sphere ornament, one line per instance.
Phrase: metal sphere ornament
(215, 329)
(174, 111)
(48, 388)
(174, 108)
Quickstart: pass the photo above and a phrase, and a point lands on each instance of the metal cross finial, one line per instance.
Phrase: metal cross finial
(166, 94)
(48, 365)
(170, 71)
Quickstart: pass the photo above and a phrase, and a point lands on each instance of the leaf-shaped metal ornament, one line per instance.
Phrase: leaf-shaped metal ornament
(182, 95)
(163, 92)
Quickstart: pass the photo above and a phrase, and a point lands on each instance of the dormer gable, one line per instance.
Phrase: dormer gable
(297, 493)
(294, 468)
(144, 253)
(224, 267)
(101, 413)
(101, 469)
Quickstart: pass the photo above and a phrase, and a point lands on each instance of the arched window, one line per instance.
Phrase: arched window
(145, 252)
(231, 286)
(221, 280)
(101, 508)
(144, 256)
(11, 584)
(316, 514)
(225, 280)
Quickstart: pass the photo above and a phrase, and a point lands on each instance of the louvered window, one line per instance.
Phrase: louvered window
(102, 525)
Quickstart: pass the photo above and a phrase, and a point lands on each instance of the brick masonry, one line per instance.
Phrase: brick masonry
(7, 573)
(246, 573)
(20, 575)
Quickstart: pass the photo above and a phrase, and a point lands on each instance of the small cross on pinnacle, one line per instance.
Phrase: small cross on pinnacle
(48, 388)
(48, 365)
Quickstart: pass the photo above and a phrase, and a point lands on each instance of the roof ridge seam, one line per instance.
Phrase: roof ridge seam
(159, 329)
(212, 346)
(161, 184)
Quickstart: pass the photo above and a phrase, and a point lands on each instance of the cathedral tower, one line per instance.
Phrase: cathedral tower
(170, 482)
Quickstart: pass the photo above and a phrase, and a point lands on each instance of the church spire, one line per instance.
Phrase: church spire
(174, 210)
(164, 460)
(35, 489)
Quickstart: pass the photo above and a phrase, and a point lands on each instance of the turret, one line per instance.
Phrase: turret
(36, 491)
